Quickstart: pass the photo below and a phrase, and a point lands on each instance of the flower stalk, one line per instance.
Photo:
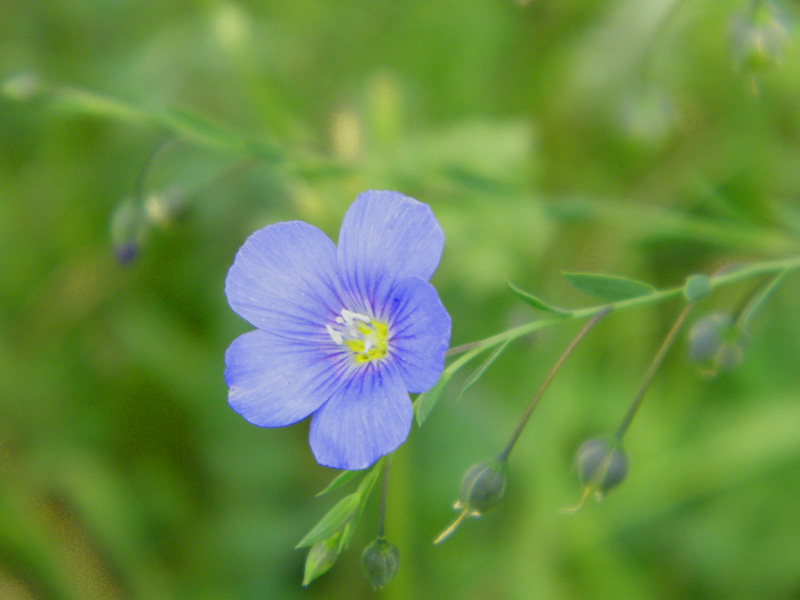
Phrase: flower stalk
(652, 370)
(549, 379)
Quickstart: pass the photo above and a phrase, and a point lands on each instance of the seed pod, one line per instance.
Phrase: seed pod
(380, 562)
(482, 487)
(716, 344)
(601, 465)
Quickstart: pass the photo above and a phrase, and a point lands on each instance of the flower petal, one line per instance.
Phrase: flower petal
(419, 335)
(369, 416)
(275, 382)
(284, 280)
(386, 236)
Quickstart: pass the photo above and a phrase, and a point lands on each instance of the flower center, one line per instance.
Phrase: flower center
(366, 338)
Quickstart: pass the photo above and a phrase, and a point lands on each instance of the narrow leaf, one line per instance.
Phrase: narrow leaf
(341, 479)
(482, 369)
(336, 519)
(201, 130)
(537, 302)
(365, 487)
(608, 287)
(363, 492)
(427, 401)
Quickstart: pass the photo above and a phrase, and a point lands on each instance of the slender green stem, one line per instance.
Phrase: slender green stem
(384, 495)
(756, 299)
(148, 165)
(728, 277)
(653, 369)
(548, 379)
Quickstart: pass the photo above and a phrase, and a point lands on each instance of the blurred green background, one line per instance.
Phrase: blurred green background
(648, 139)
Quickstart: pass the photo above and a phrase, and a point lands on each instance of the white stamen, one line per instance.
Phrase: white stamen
(350, 316)
(335, 335)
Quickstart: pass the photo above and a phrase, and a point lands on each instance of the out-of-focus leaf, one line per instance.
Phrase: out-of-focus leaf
(608, 287)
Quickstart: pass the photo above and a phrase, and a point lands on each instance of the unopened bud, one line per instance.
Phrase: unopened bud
(482, 487)
(128, 231)
(165, 208)
(716, 344)
(697, 287)
(380, 561)
(321, 557)
(601, 465)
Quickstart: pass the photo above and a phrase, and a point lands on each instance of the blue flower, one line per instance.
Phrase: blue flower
(343, 333)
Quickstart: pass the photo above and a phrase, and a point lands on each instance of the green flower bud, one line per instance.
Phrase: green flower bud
(163, 209)
(380, 561)
(321, 557)
(128, 231)
(697, 287)
(759, 36)
(482, 487)
(716, 344)
(601, 465)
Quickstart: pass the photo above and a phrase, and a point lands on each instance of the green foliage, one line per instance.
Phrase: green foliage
(608, 287)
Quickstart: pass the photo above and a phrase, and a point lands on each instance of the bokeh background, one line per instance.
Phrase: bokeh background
(648, 139)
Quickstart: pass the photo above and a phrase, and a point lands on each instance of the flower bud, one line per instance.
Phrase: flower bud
(716, 344)
(128, 231)
(380, 561)
(321, 557)
(163, 209)
(482, 487)
(697, 287)
(601, 465)
(759, 36)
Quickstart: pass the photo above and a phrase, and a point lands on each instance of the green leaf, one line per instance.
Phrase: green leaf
(321, 558)
(341, 479)
(427, 401)
(537, 302)
(200, 129)
(608, 287)
(363, 492)
(336, 519)
(482, 369)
